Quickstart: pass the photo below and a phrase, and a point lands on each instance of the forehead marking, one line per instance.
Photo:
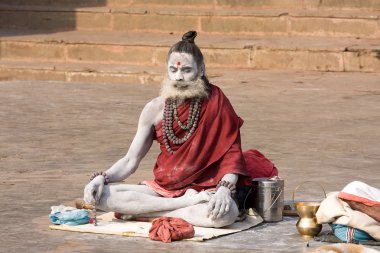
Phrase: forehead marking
(178, 63)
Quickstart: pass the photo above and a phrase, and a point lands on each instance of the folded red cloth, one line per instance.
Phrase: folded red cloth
(169, 229)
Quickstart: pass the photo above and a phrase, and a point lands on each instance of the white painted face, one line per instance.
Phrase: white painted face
(182, 67)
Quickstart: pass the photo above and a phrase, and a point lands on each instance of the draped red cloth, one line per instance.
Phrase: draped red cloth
(211, 152)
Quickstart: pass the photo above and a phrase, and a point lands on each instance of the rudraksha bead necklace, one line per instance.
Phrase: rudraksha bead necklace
(170, 110)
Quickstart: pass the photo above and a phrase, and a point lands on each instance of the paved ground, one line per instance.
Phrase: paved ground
(315, 126)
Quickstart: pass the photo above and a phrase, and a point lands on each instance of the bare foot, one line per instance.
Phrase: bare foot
(190, 192)
(201, 197)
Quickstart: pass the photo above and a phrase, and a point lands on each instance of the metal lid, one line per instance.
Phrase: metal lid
(266, 181)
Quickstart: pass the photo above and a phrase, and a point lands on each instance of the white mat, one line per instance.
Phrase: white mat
(108, 225)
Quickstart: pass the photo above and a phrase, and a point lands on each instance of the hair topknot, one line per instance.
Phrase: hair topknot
(187, 45)
(189, 36)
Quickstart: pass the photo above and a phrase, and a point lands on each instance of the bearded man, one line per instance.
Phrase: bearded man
(201, 168)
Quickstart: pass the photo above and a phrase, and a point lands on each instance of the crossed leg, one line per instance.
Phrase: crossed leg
(141, 201)
(197, 215)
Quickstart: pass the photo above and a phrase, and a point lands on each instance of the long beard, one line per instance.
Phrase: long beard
(183, 90)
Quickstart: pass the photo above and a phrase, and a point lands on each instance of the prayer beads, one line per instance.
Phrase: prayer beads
(171, 111)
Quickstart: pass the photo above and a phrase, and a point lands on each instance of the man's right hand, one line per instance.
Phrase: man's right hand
(220, 203)
(93, 190)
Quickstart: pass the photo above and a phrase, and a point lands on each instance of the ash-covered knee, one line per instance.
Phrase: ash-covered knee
(226, 219)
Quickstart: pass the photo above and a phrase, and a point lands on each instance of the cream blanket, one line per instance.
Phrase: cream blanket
(108, 225)
(334, 210)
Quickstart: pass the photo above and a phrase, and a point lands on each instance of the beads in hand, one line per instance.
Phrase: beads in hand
(229, 185)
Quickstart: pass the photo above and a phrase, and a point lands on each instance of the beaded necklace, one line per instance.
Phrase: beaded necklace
(170, 110)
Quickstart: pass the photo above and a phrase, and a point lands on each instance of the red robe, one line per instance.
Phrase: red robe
(212, 151)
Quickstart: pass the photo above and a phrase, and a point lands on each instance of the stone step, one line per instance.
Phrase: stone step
(257, 22)
(79, 72)
(89, 73)
(220, 51)
(292, 4)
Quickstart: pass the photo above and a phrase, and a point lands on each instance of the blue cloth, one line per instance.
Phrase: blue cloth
(72, 218)
(349, 234)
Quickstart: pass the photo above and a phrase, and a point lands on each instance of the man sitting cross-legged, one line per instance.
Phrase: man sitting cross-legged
(198, 132)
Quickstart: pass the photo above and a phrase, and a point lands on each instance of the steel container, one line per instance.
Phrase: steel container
(268, 198)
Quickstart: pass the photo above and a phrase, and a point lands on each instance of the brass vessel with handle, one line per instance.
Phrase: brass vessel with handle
(307, 224)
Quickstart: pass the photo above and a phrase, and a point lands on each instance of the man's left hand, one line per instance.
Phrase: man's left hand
(220, 203)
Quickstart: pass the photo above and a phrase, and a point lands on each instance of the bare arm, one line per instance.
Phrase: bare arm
(128, 164)
(140, 145)
(232, 178)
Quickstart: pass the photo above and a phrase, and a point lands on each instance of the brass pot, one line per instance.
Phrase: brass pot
(307, 225)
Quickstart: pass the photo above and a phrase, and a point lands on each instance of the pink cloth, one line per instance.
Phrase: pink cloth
(361, 192)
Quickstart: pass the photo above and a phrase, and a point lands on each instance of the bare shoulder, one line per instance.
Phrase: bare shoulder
(155, 105)
(152, 112)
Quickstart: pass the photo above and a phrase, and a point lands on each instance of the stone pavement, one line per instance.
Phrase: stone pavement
(315, 126)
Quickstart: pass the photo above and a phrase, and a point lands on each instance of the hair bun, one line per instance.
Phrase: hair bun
(189, 36)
